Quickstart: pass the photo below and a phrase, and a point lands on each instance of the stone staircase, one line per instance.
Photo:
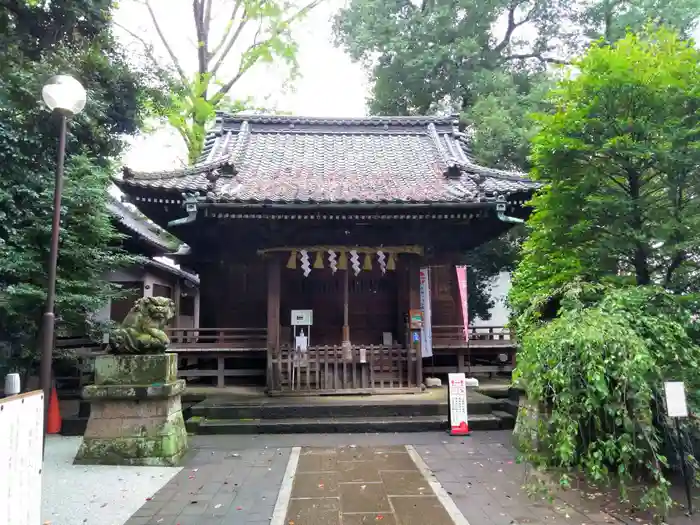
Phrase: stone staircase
(407, 413)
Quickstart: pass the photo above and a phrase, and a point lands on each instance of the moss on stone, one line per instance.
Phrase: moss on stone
(135, 369)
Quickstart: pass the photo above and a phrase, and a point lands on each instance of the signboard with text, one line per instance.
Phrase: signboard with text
(21, 436)
(457, 398)
(676, 404)
(302, 317)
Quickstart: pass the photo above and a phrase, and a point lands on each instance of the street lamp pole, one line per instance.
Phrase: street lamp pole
(48, 319)
(65, 96)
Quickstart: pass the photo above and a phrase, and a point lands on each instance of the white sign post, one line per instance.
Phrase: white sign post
(21, 458)
(676, 409)
(457, 401)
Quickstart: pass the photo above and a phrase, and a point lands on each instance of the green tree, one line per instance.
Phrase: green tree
(486, 262)
(255, 32)
(619, 158)
(40, 39)
(488, 60)
(605, 292)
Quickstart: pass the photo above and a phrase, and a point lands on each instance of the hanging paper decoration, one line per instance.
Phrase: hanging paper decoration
(332, 261)
(382, 261)
(342, 261)
(355, 261)
(305, 263)
(318, 263)
(368, 262)
(292, 262)
(391, 266)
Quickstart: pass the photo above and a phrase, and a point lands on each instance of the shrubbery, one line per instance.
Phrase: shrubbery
(597, 370)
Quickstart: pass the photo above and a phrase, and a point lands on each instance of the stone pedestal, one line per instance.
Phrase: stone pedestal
(529, 419)
(136, 414)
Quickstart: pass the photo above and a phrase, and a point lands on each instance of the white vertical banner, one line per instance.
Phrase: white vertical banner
(427, 331)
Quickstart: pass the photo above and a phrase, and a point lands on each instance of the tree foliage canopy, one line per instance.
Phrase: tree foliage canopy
(254, 32)
(488, 60)
(619, 157)
(40, 39)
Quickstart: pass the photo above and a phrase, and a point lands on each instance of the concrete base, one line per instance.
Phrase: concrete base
(132, 423)
(433, 382)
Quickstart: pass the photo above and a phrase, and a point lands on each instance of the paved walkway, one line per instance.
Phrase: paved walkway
(351, 479)
(363, 485)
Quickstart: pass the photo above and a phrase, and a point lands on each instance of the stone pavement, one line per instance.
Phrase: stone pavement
(362, 485)
(219, 487)
(237, 480)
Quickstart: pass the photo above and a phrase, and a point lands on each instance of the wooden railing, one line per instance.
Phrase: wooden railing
(327, 370)
(74, 365)
(485, 336)
(206, 339)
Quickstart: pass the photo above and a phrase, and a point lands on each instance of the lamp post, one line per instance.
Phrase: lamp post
(65, 96)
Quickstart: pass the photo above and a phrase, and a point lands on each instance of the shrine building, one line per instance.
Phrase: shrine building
(322, 226)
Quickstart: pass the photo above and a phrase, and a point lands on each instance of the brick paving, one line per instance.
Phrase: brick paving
(362, 485)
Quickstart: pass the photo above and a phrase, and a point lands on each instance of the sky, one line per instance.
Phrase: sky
(331, 85)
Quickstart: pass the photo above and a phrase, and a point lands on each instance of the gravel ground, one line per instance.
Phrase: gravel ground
(93, 495)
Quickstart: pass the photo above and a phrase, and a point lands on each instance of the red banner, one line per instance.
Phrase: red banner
(462, 282)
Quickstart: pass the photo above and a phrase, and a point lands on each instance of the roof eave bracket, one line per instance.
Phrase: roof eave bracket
(501, 214)
(190, 205)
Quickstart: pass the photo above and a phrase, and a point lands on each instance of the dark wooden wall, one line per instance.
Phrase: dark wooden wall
(234, 295)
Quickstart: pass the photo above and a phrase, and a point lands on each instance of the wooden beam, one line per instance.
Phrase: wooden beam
(177, 299)
(273, 314)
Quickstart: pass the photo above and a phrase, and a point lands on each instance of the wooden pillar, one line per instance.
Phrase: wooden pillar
(177, 299)
(346, 307)
(197, 307)
(414, 303)
(273, 315)
(401, 304)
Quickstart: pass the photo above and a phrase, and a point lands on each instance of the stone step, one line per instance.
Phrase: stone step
(507, 419)
(336, 425)
(510, 406)
(318, 410)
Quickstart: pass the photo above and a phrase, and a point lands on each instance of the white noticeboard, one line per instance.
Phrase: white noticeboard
(457, 392)
(676, 405)
(21, 451)
(302, 317)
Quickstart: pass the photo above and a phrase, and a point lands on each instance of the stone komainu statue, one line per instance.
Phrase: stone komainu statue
(142, 329)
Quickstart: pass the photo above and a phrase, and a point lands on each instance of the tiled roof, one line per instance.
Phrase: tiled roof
(280, 159)
(136, 225)
(174, 270)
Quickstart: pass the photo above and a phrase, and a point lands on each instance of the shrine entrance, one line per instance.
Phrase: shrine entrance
(358, 299)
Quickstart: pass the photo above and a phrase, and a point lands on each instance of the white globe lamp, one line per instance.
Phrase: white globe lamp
(64, 94)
